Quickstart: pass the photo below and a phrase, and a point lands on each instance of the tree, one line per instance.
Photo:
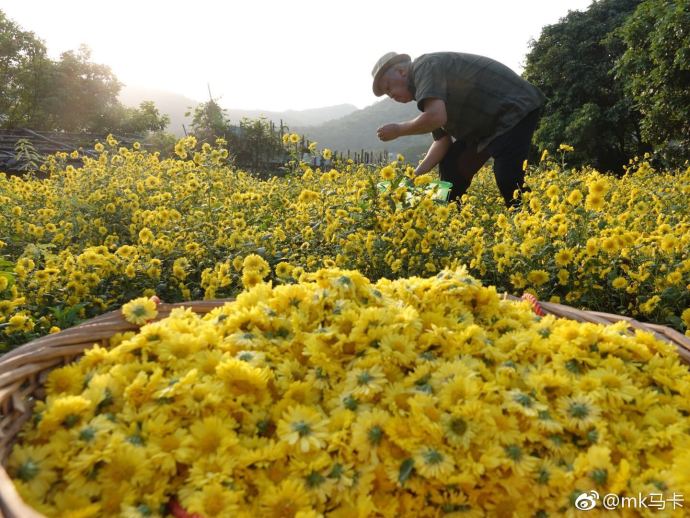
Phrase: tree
(145, 118)
(572, 63)
(80, 95)
(23, 62)
(655, 71)
(71, 94)
(148, 118)
(210, 121)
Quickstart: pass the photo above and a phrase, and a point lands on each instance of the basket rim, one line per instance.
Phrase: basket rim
(659, 331)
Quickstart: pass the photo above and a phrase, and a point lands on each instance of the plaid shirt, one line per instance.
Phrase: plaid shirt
(483, 97)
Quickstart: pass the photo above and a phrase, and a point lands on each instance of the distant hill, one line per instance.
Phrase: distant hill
(296, 118)
(357, 130)
(175, 106)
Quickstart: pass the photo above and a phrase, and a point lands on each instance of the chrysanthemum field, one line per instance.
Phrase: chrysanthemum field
(89, 239)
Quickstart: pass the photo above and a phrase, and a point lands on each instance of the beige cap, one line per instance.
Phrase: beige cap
(384, 63)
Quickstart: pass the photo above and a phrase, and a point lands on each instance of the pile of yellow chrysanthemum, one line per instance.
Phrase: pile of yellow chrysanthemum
(336, 396)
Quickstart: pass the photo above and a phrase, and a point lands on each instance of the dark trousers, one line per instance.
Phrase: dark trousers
(509, 152)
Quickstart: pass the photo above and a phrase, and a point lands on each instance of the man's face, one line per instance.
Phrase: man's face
(394, 85)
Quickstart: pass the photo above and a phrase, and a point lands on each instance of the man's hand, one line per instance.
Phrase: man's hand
(389, 132)
(434, 116)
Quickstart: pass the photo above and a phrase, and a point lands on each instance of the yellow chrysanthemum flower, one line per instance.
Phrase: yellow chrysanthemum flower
(421, 180)
(594, 201)
(140, 310)
(433, 463)
(35, 466)
(538, 277)
(65, 411)
(387, 173)
(619, 283)
(575, 197)
(242, 378)
(213, 499)
(20, 323)
(304, 428)
(288, 498)
(65, 380)
(564, 257)
(308, 196)
(254, 262)
(685, 316)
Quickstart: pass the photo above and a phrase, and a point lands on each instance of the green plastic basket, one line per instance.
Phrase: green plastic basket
(442, 189)
(439, 189)
(383, 186)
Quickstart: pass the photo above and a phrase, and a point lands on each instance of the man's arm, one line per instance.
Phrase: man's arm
(437, 151)
(434, 116)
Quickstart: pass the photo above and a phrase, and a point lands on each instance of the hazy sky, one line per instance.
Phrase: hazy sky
(278, 55)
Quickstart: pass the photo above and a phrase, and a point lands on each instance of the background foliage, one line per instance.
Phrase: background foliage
(655, 72)
(617, 79)
(69, 94)
(587, 108)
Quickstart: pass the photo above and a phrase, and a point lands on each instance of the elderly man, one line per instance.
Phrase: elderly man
(474, 107)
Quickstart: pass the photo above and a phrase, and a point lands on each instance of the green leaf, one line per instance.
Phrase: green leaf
(67, 316)
(391, 204)
(406, 469)
(7, 266)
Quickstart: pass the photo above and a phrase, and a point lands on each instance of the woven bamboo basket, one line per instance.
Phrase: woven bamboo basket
(23, 370)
